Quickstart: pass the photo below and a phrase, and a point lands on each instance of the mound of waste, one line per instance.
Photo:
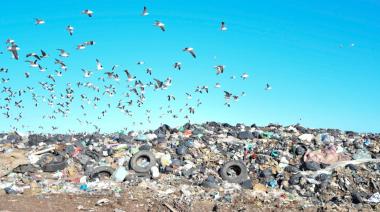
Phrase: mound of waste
(272, 165)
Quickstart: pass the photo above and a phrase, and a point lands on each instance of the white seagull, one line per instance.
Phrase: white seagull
(145, 11)
(39, 21)
(99, 66)
(268, 87)
(219, 69)
(130, 77)
(86, 73)
(223, 26)
(81, 46)
(88, 12)
(190, 50)
(63, 53)
(70, 29)
(32, 64)
(14, 50)
(160, 24)
(244, 76)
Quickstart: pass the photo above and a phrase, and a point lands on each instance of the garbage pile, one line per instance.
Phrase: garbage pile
(275, 164)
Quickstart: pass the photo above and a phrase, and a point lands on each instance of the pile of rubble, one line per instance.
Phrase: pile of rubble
(275, 164)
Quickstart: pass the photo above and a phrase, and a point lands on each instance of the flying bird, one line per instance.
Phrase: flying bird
(99, 66)
(32, 64)
(89, 43)
(60, 62)
(81, 46)
(130, 77)
(177, 65)
(145, 11)
(244, 76)
(171, 97)
(160, 24)
(44, 54)
(149, 71)
(88, 12)
(14, 50)
(70, 29)
(227, 95)
(86, 73)
(34, 55)
(58, 73)
(190, 50)
(223, 26)
(42, 69)
(39, 21)
(63, 53)
(219, 69)
(268, 87)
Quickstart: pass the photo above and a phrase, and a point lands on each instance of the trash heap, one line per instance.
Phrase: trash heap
(273, 165)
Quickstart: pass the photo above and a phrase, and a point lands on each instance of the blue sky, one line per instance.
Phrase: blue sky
(302, 48)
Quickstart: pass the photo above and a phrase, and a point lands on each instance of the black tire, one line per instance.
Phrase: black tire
(239, 168)
(101, 170)
(134, 163)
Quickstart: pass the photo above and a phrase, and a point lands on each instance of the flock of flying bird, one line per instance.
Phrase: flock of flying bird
(134, 95)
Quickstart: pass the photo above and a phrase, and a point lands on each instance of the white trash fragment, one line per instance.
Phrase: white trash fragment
(119, 174)
(155, 172)
(102, 202)
(306, 137)
(375, 198)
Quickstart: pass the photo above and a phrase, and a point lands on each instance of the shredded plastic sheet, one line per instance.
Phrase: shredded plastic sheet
(327, 155)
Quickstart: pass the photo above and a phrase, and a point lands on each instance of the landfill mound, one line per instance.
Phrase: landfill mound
(178, 169)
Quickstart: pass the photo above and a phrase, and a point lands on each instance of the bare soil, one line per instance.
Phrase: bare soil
(126, 202)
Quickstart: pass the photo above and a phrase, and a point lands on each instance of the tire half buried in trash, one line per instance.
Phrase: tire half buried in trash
(101, 172)
(142, 161)
(234, 172)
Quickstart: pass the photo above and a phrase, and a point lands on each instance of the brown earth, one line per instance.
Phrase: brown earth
(75, 202)
(127, 202)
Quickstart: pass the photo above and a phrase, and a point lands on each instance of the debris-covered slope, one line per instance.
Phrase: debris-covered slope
(272, 166)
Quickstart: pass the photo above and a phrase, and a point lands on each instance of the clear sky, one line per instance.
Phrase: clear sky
(321, 58)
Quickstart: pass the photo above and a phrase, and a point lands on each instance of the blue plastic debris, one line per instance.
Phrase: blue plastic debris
(275, 153)
(367, 142)
(272, 183)
(83, 187)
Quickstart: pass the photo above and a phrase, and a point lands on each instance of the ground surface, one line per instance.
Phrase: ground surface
(139, 199)
(135, 202)
(66, 202)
